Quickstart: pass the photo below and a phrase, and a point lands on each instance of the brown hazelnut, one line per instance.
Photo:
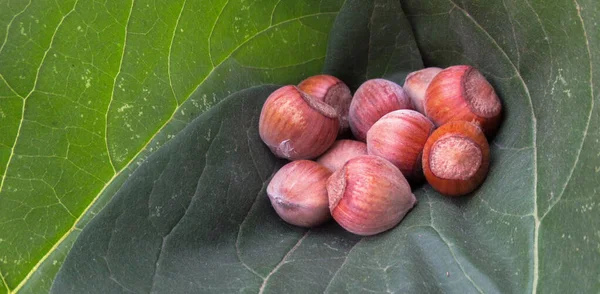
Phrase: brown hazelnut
(416, 84)
(298, 193)
(456, 158)
(369, 195)
(399, 137)
(295, 125)
(341, 152)
(462, 93)
(332, 91)
(374, 99)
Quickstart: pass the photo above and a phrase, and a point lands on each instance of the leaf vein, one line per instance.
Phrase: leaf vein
(546, 37)
(449, 246)
(589, 118)
(112, 95)
(4, 282)
(342, 265)
(10, 24)
(283, 261)
(107, 184)
(456, 259)
(165, 237)
(512, 25)
(12, 149)
(237, 239)
(273, 12)
(171, 51)
(369, 47)
(536, 219)
(212, 30)
(9, 87)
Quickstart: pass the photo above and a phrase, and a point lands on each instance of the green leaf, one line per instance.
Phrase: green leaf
(531, 226)
(534, 224)
(88, 90)
(194, 217)
(197, 206)
(197, 209)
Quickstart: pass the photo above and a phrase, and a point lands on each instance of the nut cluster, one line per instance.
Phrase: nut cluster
(436, 128)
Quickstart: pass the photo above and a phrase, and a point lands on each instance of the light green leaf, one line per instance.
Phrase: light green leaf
(89, 89)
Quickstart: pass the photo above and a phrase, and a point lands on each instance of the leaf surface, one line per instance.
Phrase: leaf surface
(194, 216)
(88, 90)
(200, 201)
(542, 58)
(531, 227)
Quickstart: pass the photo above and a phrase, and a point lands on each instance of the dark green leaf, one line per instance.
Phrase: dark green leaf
(198, 206)
(531, 227)
(196, 212)
(534, 223)
(362, 47)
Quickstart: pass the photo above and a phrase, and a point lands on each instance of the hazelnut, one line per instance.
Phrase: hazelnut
(341, 152)
(456, 158)
(298, 193)
(462, 93)
(295, 125)
(332, 91)
(399, 137)
(416, 84)
(369, 195)
(374, 99)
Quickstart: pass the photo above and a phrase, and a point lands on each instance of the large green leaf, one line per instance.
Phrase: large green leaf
(89, 89)
(197, 208)
(196, 214)
(531, 227)
(543, 58)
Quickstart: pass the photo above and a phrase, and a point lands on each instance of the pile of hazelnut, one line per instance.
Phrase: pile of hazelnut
(434, 127)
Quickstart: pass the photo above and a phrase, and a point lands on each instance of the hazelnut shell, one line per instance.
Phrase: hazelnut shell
(332, 91)
(462, 93)
(369, 195)
(298, 193)
(341, 152)
(456, 158)
(416, 83)
(374, 99)
(295, 125)
(399, 137)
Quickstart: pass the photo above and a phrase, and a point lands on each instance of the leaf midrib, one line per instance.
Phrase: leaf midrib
(4, 282)
(534, 145)
(592, 104)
